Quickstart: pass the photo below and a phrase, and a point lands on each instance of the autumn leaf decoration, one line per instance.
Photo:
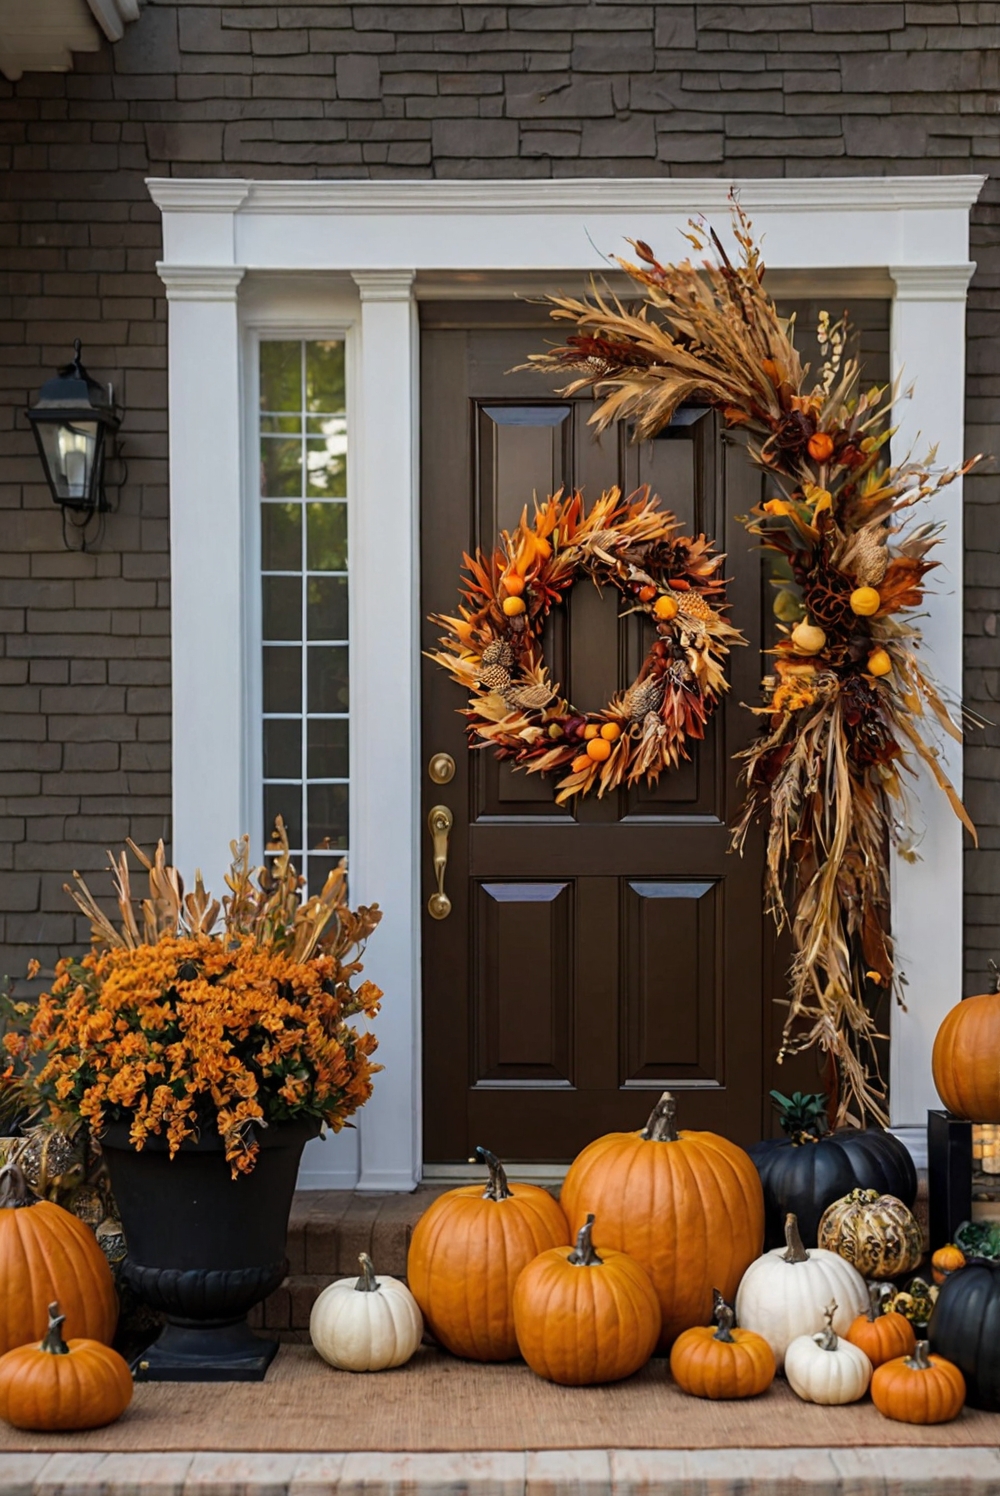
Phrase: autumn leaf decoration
(848, 708)
(493, 648)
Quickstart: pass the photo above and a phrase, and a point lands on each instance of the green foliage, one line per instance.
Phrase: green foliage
(979, 1239)
(802, 1115)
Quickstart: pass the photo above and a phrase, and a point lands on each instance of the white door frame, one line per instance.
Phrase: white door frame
(384, 244)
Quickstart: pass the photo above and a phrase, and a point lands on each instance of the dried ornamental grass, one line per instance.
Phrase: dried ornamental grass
(176, 1026)
(848, 707)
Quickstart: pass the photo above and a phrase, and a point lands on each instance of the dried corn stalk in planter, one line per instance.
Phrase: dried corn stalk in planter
(848, 708)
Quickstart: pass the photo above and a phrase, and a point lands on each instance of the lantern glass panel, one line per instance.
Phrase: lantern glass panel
(70, 449)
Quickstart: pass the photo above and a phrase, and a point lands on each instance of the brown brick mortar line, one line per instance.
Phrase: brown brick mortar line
(615, 1472)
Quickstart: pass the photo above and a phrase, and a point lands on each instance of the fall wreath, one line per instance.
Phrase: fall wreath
(494, 647)
(848, 706)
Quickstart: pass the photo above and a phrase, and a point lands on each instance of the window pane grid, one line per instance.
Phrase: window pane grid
(304, 582)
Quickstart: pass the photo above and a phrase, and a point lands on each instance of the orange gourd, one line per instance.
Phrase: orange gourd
(720, 1361)
(946, 1260)
(467, 1253)
(582, 1318)
(965, 1059)
(820, 447)
(59, 1385)
(882, 1337)
(688, 1206)
(46, 1253)
(918, 1388)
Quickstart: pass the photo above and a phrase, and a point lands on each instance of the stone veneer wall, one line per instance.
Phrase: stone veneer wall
(456, 90)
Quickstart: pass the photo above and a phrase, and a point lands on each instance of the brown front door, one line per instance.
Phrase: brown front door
(595, 953)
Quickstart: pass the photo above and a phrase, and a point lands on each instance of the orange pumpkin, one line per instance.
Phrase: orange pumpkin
(47, 1253)
(688, 1206)
(467, 1253)
(582, 1318)
(918, 1388)
(946, 1260)
(964, 1060)
(720, 1361)
(882, 1337)
(60, 1385)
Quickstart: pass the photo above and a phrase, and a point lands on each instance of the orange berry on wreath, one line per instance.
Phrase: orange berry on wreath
(581, 762)
(591, 731)
(514, 584)
(598, 749)
(512, 606)
(647, 593)
(820, 447)
(879, 662)
(666, 608)
(865, 601)
(611, 732)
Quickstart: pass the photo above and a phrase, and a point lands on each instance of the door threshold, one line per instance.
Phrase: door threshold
(541, 1174)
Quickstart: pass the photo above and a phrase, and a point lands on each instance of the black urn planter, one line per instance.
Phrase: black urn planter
(204, 1248)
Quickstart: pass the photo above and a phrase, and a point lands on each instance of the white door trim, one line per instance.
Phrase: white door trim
(387, 237)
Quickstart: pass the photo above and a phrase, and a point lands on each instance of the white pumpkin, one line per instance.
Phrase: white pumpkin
(366, 1323)
(783, 1294)
(825, 1369)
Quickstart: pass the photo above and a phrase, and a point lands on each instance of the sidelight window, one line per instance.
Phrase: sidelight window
(304, 599)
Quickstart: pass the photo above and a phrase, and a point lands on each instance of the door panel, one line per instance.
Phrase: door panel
(600, 951)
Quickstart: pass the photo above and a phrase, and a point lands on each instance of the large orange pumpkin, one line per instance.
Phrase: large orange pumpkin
(466, 1254)
(688, 1206)
(46, 1253)
(60, 1385)
(582, 1318)
(966, 1059)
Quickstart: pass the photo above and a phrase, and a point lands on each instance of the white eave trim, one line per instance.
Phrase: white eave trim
(641, 194)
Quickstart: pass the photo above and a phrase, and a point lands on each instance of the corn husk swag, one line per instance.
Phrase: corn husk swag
(848, 708)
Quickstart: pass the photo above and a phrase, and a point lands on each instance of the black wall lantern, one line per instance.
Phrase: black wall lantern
(72, 419)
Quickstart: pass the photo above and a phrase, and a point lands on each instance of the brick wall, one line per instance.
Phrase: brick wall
(477, 90)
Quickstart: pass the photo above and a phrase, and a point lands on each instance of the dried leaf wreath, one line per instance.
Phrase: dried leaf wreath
(847, 704)
(494, 650)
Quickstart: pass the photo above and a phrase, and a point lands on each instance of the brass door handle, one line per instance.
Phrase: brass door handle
(439, 823)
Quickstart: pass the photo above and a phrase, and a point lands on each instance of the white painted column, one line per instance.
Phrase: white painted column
(206, 568)
(385, 715)
(928, 350)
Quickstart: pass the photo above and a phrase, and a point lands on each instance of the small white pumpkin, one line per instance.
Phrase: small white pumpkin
(825, 1369)
(783, 1293)
(366, 1323)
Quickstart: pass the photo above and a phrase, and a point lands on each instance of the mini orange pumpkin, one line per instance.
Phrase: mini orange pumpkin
(820, 447)
(467, 1253)
(719, 1361)
(882, 1337)
(964, 1060)
(59, 1385)
(918, 1388)
(655, 1192)
(47, 1253)
(583, 1319)
(946, 1260)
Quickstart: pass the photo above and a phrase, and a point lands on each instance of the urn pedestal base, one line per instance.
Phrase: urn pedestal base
(192, 1353)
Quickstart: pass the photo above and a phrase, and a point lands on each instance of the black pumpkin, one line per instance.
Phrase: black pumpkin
(808, 1169)
(965, 1329)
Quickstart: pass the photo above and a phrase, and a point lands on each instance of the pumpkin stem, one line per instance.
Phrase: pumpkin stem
(14, 1191)
(583, 1254)
(497, 1188)
(724, 1317)
(54, 1344)
(827, 1337)
(793, 1241)
(662, 1124)
(876, 1293)
(367, 1283)
(919, 1361)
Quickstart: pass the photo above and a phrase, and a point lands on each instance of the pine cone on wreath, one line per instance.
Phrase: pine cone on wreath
(495, 678)
(645, 697)
(693, 604)
(529, 698)
(499, 653)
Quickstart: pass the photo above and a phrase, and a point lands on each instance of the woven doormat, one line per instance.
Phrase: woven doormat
(437, 1403)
